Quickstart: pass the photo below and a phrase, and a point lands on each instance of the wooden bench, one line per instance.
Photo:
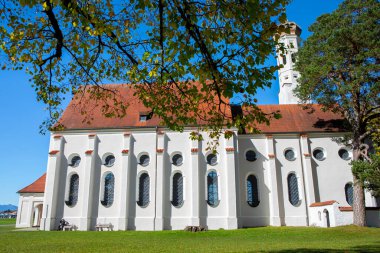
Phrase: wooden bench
(100, 227)
(195, 228)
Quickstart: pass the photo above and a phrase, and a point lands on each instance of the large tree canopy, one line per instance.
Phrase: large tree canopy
(339, 66)
(161, 46)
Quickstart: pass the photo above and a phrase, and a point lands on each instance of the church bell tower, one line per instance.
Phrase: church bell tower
(287, 75)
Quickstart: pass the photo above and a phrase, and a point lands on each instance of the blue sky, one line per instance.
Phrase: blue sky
(24, 152)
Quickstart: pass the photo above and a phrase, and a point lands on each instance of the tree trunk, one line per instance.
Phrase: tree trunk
(359, 200)
(359, 204)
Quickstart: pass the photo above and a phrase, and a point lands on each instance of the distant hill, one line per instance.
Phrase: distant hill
(7, 207)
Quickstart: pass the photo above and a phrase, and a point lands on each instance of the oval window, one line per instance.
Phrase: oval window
(177, 159)
(144, 160)
(290, 155)
(250, 155)
(109, 161)
(212, 159)
(75, 161)
(344, 154)
(319, 154)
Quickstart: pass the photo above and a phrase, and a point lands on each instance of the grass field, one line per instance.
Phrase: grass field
(7, 221)
(269, 239)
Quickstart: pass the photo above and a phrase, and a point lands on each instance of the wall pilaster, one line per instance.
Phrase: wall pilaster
(87, 218)
(274, 208)
(49, 219)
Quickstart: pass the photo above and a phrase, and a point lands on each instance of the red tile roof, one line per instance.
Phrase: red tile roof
(37, 186)
(345, 208)
(297, 120)
(294, 118)
(324, 203)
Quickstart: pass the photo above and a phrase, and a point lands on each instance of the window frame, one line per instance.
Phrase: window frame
(346, 195)
(68, 202)
(181, 203)
(212, 164)
(322, 150)
(217, 176)
(249, 150)
(103, 189)
(139, 159)
(176, 154)
(257, 190)
(138, 189)
(298, 189)
(290, 149)
(71, 158)
(348, 152)
(105, 156)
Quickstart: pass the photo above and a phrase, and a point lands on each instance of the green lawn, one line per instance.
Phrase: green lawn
(7, 221)
(271, 239)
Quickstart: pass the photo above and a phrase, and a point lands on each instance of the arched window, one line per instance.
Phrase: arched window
(349, 191)
(143, 199)
(73, 190)
(284, 60)
(293, 189)
(252, 191)
(212, 189)
(294, 59)
(177, 190)
(109, 185)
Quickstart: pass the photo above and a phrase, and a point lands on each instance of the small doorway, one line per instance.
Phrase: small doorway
(37, 215)
(326, 218)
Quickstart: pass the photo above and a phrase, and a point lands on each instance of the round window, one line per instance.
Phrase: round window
(290, 155)
(109, 161)
(250, 155)
(144, 160)
(177, 159)
(319, 154)
(212, 159)
(343, 153)
(75, 161)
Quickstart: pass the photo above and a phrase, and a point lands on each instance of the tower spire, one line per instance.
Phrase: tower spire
(287, 74)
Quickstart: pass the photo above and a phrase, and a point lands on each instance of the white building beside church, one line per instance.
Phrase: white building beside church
(135, 175)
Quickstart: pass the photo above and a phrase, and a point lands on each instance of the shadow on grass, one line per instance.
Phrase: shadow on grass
(375, 248)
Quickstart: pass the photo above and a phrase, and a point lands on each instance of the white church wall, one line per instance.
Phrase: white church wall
(271, 170)
(75, 144)
(27, 207)
(177, 217)
(332, 173)
(293, 215)
(144, 143)
(253, 216)
(159, 213)
(109, 144)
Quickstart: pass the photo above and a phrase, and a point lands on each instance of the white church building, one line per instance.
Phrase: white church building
(133, 174)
